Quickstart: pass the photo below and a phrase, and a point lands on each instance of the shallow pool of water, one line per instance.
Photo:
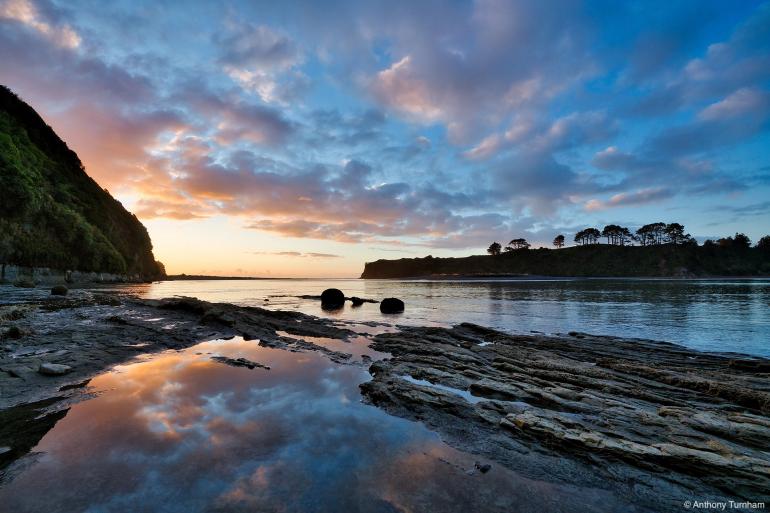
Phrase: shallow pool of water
(179, 432)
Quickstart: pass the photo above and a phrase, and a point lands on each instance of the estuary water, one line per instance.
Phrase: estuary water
(708, 315)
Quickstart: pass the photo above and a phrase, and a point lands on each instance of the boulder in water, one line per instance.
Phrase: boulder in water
(391, 305)
(332, 298)
(59, 290)
(14, 332)
(356, 301)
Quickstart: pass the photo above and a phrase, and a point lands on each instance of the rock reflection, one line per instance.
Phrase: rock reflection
(180, 432)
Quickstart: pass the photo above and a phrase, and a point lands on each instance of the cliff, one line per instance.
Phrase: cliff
(586, 261)
(52, 214)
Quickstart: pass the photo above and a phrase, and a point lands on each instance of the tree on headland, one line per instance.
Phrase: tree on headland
(507, 249)
(494, 249)
(675, 234)
(740, 241)
(519, 244)
(587, 236)
(764, 244)
(617, 235)
(559, 241)
(651, 234)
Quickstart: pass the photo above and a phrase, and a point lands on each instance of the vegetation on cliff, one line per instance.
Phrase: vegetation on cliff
(52, 214)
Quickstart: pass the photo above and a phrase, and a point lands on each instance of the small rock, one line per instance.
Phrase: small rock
(14, 332)
(483, 468)
(391, 305)
(356, 301)
(25, 284)
(59, 290)
(239, 362)
(115, 319)
(332, 298)
(53, 369)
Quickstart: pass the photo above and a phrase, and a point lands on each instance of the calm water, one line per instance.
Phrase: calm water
(177, 432)
(706, 315)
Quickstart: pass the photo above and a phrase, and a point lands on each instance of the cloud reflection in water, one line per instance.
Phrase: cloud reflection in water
(180, 432)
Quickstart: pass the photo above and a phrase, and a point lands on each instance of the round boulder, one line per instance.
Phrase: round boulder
(391, 305)
(332, 298)
(59, 290)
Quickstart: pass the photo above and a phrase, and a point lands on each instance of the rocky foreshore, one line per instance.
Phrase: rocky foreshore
(657, 420)
(84, 336)
(651, 420)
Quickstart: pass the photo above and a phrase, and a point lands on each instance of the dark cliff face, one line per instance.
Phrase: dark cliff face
(587, 261)
(52, 214)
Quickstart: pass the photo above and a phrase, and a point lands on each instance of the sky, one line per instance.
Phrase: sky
(305, 138)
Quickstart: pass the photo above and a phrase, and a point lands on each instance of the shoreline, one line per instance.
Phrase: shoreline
(573, 408)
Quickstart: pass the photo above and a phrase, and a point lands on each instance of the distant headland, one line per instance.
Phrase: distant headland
(664, 251)
(191, 277)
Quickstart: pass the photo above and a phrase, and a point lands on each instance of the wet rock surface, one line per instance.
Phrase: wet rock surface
(89, 334)
(53, 369)
(650, 419)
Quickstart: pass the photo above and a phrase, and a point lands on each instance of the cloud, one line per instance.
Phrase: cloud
(297, 254)
(263, 61)
(741, 61)
(611, 158)
(625, 199)
(257, 46)
(332, 127)
(472, 71)
(570, 131)
(400, 87)
(743, 102)
(27, 13)
(254, 123)
(761, 208)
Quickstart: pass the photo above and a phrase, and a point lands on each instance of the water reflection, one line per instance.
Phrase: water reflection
(180, 432)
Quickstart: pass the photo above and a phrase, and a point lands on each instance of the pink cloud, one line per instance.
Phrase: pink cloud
(625, 199)
(743, 102)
